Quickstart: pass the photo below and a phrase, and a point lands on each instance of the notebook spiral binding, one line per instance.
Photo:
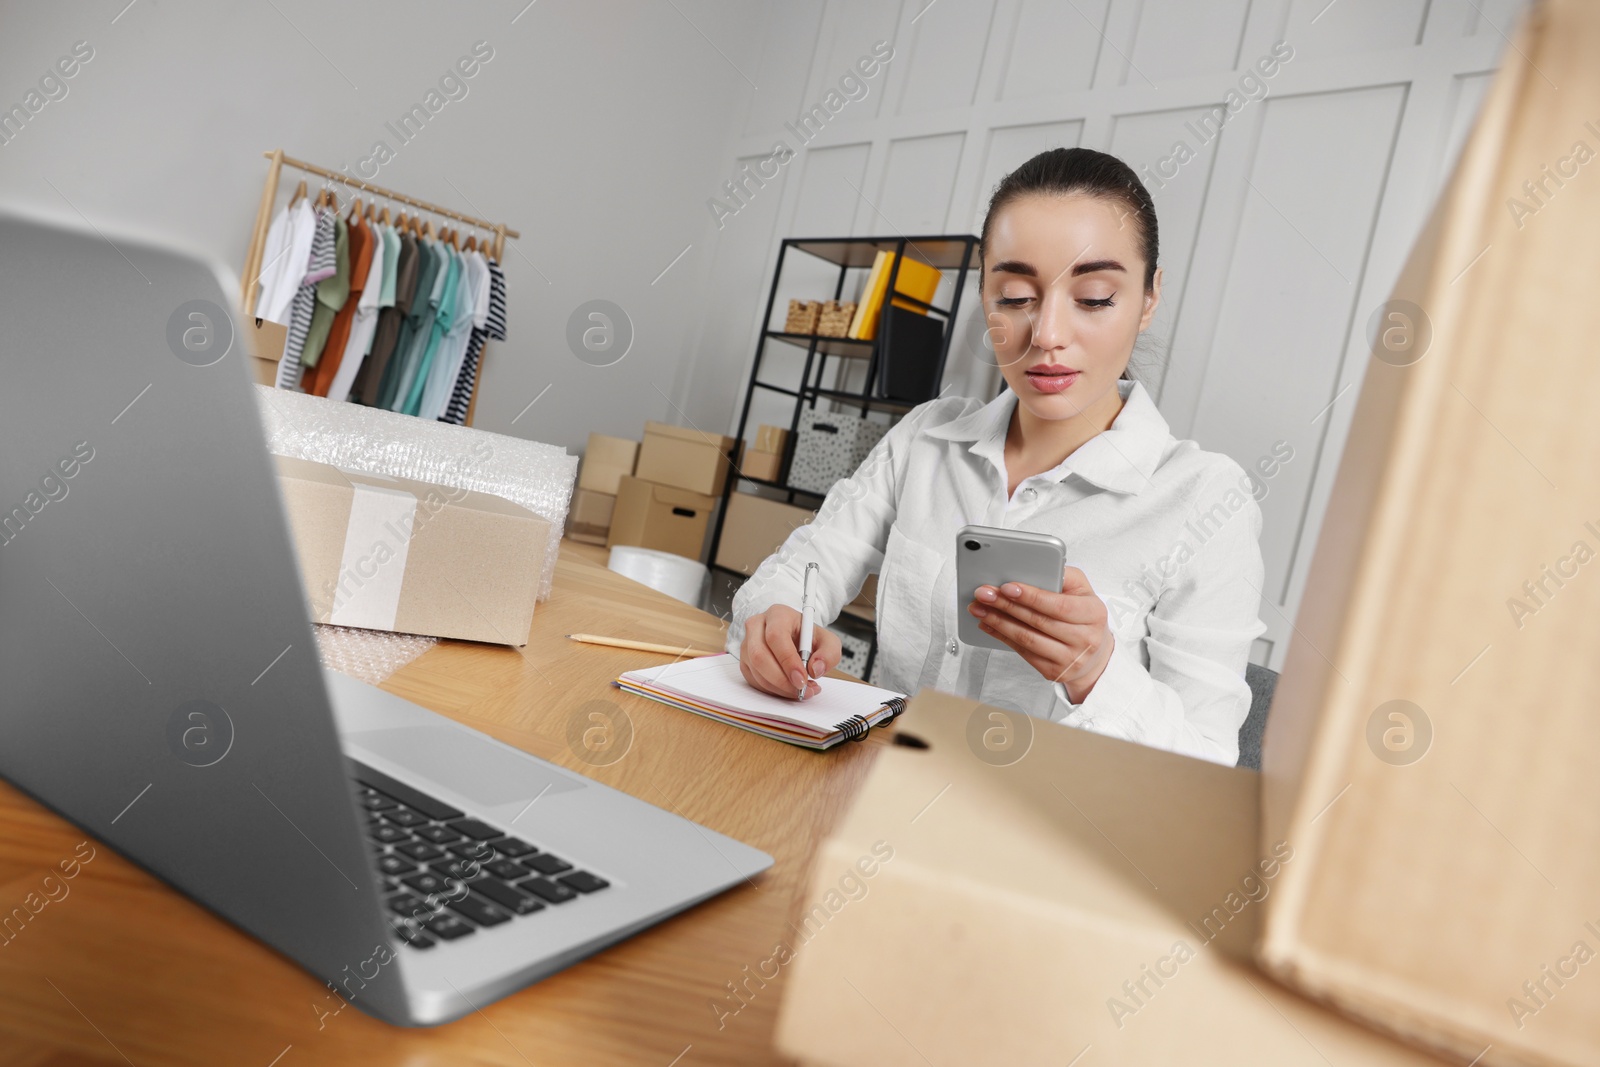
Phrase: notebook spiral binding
(856, 727)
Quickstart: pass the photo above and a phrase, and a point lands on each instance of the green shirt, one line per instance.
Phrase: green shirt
(444, 315)
(332, 292)
(428, 263)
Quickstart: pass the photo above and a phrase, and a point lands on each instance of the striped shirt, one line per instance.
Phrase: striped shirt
(321, 264)
(493, 328)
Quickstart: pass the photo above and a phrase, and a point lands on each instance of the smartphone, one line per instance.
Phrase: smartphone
(989, 555)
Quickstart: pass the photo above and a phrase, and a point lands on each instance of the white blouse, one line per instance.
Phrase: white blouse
(1167, 534)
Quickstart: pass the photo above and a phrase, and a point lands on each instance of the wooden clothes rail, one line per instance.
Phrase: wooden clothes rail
(269, 197)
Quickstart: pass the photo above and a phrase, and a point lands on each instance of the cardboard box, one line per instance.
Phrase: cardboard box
(589, 518)
(771, 438)
(764, 465)
(265, 342)
(1020, 892)
(663, 517)
(1431, 747)
(266, 338)
(684, 458)
(395, 554)
(753, 529)
(605, 461)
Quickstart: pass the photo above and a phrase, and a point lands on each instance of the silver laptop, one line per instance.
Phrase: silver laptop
(162, 687)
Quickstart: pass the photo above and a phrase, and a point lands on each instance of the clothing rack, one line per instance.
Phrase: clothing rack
(269, 197)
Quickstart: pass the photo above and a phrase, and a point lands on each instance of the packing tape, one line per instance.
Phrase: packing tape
(373, 566)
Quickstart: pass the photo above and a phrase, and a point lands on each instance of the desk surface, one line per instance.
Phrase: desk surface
(124, 970)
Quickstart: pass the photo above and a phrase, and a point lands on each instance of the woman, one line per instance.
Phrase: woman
(1148, 637)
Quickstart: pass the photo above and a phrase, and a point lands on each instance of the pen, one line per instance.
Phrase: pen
(807, 620)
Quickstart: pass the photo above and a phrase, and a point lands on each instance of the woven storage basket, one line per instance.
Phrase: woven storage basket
(834, 320)
(803, 316)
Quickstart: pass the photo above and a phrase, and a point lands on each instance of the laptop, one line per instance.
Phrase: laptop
(163, 689)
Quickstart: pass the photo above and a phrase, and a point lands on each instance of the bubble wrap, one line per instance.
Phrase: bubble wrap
(368, 655)
(537, 476)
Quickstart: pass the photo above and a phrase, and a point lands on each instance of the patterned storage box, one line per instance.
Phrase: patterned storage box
(853, 654)
(803, 315)
(830, 445)
(834, 320)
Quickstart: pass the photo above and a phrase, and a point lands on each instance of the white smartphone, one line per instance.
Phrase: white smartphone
(989, 555)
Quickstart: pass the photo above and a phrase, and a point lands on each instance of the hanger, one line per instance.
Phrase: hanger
(299, 193)
(428, 230)
(472, 242)
(383, 216)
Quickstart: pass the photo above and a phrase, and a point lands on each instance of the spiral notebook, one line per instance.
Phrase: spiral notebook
(712, 686)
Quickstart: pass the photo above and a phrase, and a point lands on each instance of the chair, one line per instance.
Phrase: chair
(1263, 681)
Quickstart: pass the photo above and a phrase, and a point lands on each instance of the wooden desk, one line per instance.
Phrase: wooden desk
(124, 970)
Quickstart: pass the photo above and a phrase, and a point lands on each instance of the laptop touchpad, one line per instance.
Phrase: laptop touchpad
(476, 767)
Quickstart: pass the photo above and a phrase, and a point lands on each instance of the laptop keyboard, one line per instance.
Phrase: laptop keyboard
(446, 875)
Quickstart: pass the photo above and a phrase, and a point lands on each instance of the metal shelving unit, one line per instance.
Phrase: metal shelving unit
(947, 253)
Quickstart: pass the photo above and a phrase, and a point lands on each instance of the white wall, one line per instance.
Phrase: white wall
(1280, 238)
(595, 130)
(602, 130)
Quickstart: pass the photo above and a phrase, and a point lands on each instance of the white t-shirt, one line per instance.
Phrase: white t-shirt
(284, 260)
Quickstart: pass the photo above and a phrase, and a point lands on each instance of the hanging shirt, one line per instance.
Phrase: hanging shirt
(444, 313)
(320, 261)
(492, 327)
(471, 291)
(362, 244)
(430, 271)
(1166, 534)
(332, 292)
(370, 376)
(362, 325)
(391, 260)
(283, 261)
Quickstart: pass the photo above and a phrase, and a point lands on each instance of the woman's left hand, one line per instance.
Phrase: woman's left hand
(1063, 636)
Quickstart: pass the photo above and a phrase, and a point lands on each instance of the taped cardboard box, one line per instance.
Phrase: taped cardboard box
(386, 553)
(771, 438)
(1021, 892)
(1431, 750)
(534, 475)
(662, 517)
(606, 460)
(684, 457)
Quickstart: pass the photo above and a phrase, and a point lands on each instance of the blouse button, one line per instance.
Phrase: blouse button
(952, 647)
(1029, 493)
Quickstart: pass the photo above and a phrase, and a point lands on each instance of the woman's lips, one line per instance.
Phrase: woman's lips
(1051, 379)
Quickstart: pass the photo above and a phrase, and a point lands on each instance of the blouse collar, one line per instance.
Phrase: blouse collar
(1122, 458)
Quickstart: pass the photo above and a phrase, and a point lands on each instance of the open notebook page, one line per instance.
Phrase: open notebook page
(716, 680)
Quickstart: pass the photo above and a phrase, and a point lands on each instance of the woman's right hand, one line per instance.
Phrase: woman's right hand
(769, 658)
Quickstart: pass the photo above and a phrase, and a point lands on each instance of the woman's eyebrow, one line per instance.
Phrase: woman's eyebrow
(1016, 266)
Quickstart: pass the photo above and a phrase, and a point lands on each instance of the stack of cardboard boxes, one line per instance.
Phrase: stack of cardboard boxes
(606, 461)
(665, 503)
(765, 460)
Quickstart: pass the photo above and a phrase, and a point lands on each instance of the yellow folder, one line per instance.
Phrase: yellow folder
(916, 280)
